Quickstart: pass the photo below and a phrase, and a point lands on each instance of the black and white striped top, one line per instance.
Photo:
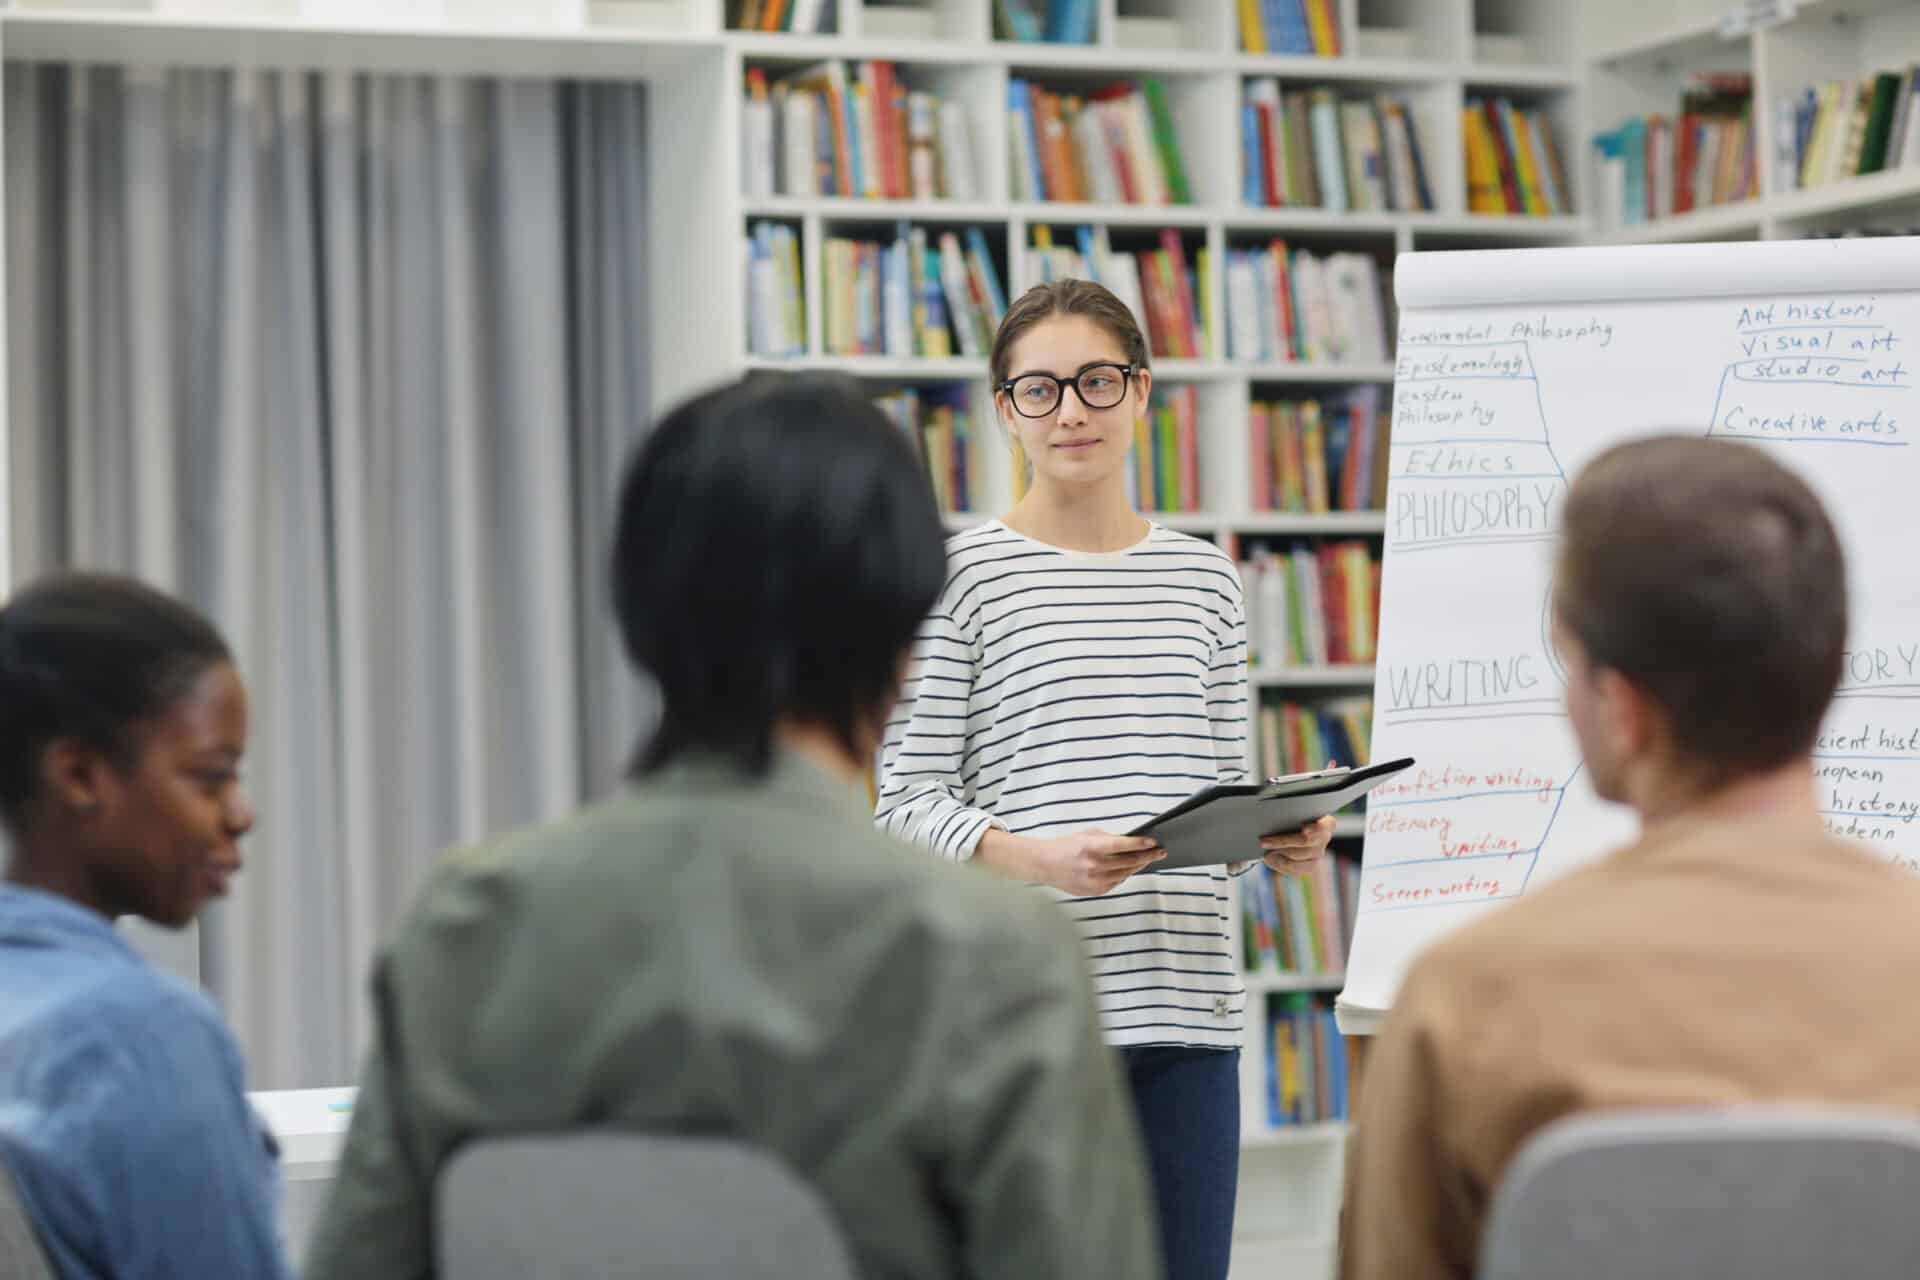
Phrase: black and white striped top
(1055, 691)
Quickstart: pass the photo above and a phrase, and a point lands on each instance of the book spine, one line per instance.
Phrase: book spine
(1313, 447)
(1186, 418)
(1329, 160)
(1260, 456)
(1167, 139)
(1253, 35)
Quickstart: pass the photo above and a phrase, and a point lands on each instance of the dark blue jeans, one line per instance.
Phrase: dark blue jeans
(1188, 1101)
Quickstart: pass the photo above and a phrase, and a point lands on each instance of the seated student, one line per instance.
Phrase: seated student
(1700, 607)
(730, 948)
(123, 1117)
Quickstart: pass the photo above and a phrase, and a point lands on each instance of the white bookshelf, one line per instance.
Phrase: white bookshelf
(1435, 53)
(1641, 53)
(1349, 676)
(1305, 1135)
(1284, 982)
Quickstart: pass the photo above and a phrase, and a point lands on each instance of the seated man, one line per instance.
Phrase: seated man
(1700, 606)
(729, 948)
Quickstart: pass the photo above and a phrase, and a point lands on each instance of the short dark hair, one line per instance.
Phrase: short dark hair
(777, 548)
(1071, 298)
(1709, 575)
(93, 657)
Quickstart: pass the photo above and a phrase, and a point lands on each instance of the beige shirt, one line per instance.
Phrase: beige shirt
(1711, 963)
(749, 958)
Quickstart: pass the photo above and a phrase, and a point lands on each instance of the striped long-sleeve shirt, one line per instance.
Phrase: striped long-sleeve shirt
(1056, 691)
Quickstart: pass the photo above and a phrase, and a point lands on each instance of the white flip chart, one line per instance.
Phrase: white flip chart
(1513, 369)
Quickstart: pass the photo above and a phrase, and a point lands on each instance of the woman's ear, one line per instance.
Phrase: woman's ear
(74, 776)
(1143, 386)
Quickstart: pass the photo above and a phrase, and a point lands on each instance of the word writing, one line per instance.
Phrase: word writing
(1793, 423)
(1410, 413)
(1484, 844)
(1853, 829)
(1878, 665)
(1456, 459)
(1423, 515)
(1446, 337)
(1828, 311)
(1841, 369)
(1459, 682)
(1392, 822)
(1848, 773)
(1472, 886)
(1481, 363)
(1903, 861)
(1424, 782)
(1878, 739)
(1594, 330)
(1863, 339)
(1876, 805)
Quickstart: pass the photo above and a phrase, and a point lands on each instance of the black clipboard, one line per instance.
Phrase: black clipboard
(1224, 823)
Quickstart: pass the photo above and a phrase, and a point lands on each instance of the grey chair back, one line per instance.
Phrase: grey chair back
(1742, 1193)
(607, 1204)
(21, 1257)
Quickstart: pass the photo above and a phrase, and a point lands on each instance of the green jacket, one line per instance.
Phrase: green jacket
(709, 954)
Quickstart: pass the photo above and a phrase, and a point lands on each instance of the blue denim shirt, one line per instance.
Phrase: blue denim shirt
(123, 1113)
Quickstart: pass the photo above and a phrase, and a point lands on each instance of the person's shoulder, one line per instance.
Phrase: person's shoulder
(1002, 926)
(488, 873)
(1194, 552)
(980, 548)
(978, 542)
(147, 997)
(1491, 960)
(139, 1030)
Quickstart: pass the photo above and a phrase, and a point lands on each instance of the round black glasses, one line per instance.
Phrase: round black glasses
(1099, 386)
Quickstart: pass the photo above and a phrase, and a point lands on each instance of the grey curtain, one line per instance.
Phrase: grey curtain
(349, 361)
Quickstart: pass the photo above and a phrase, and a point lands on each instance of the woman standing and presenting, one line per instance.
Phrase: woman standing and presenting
(1083, 670)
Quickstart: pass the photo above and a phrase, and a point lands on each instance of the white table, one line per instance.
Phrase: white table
(311, 1126)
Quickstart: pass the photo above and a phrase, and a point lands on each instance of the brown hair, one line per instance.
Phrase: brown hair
(1710, 576)
(1066, 298)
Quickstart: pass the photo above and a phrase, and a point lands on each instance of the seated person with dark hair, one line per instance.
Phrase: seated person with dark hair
(729, 948)
(1700, 606)
(123, 1113)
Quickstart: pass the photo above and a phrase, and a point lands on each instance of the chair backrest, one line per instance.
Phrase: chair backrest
(1741, 1193)
(606, 1204)
(21, 1257)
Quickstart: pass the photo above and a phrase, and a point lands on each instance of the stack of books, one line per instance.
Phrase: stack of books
(911, 297)
(1296, 738)
(1650, 168)
(1307, 1067)
(1309, 147)
(1294, 306)
(1309, 606)
(1052, 21)
(776, 313)
(1165, 471)
(1117, 145)
(835, 130)
(1513, 164)
(807, 17)
(1290, 26)
(1845, 128)
(940, 425)
(1319, 455)
(1299, 924)
(1168, 293)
